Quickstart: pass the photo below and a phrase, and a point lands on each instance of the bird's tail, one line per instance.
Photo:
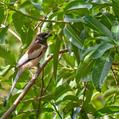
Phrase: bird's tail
(14, 83)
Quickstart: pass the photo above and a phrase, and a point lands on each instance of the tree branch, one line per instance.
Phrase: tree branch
(35, 18)
(7, 114)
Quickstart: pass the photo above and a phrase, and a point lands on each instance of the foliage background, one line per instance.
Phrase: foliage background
(80, 84)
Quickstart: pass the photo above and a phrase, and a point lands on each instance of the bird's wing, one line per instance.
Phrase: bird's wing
(23, 60)
(35, 51)
(30, 54)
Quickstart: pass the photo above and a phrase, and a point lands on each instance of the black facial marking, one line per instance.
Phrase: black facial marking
(42, 38)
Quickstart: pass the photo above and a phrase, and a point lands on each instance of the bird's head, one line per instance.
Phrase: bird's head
(42, 37)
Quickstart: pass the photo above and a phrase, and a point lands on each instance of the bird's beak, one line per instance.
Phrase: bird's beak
(48, 35)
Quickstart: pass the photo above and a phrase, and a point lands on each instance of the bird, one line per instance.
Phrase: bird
(31, 57)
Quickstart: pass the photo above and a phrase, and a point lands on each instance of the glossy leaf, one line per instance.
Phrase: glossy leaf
(107, 110)
(86, 66)
(56, 54)
(115, 32)
(102, 48)
(74, 5)
(69, 59)
(21, 24)
(9, 58)
(115, 6)
(61, 90)
(98, 26)
(72, 36)
(107, 19)
(72, 18)
(36, 5)
(1, 14)
(70, 97)
(100, 71)
(3, 34)
(4, 70)
(76, 53)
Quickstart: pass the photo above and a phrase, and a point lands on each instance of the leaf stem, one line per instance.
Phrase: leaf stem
(56, 109)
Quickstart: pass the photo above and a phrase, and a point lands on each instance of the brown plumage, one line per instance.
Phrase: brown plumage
(35, 51)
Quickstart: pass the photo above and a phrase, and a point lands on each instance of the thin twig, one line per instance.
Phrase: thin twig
(48, 85)
(14, 34)
(36, 98)
(37, 19)
(28, 86)
(56, 109)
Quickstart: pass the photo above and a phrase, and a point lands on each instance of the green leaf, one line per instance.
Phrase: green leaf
(69, 59)
(83, 114)
(96, 51)
(75, 10)
(72, 18)
(107, 19)
(76, 53)
(72, 36)
(36, 5)
(84, 69)
(4, 70)
(47, 110)
(66, 73)
(100, 71)
(23, 27)
(110, 92)
(74, 5)
(1, 14)
(115, 6)
(59, 91)
(9, 58)
(101, 49)
(55, 55)
(88, 93)
(106, 39)
(98, 26)
(3, 34)
(71, 97)
(115, 32)
(70, 106)
(87, 52)
(106, 111)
